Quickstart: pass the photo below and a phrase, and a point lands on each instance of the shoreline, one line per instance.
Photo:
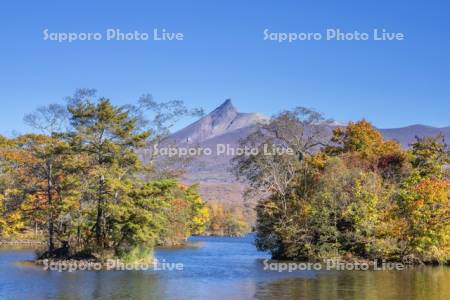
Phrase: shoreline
(21, 243)
(73, 260)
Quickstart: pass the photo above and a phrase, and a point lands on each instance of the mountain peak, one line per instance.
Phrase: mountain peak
(225, 108)
(224, 119)
(227, 102)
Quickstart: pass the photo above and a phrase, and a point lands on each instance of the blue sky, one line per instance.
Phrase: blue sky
(392, 84)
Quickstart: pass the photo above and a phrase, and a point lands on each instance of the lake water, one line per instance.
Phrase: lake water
(217, 268)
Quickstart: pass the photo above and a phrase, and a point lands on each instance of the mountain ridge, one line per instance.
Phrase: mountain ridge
(226, 125)
(226, 118)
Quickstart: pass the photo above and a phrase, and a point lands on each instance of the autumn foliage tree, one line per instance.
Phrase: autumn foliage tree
(42, 167)
(226, 220)
(359, 195)
(82, 180)
(424, 206)
(11, 219)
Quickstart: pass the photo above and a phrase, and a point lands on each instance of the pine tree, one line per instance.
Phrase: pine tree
(109, 136)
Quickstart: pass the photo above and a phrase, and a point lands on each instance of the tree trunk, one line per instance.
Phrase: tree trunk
(99, 228)
(51, 231)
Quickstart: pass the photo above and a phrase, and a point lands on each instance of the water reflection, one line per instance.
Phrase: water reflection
(418, 283)
(217, 268)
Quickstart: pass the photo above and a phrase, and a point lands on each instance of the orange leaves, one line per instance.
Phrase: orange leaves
(363, 138)
(433, 191)
(418, 204)
(179, 204)
(362, 146)
(427, 212)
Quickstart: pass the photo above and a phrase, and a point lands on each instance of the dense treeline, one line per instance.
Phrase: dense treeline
(227, 220)
(358, 195)
(81, 180)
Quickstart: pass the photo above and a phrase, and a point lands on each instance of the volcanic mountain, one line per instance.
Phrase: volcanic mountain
(223, 126)
(224, 120)
(226, 126)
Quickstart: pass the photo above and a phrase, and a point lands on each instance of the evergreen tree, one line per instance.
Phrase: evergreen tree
(109, 136)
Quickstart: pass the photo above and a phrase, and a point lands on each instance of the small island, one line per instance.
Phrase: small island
(349, 194)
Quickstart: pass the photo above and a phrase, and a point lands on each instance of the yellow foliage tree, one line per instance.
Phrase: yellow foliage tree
(425, 207)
